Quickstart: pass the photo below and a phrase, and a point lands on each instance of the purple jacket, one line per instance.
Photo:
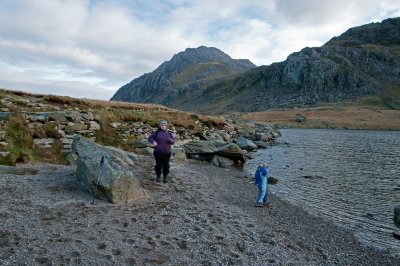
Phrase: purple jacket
(164, 141)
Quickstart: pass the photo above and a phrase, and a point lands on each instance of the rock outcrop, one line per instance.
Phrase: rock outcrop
(115, 181)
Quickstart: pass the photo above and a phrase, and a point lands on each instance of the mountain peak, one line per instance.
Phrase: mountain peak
(187, 71)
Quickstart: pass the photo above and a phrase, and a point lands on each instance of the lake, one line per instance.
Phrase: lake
(350, 177)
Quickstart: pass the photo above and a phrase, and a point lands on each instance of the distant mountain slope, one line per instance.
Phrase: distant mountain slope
(362, 61)
(175, 80)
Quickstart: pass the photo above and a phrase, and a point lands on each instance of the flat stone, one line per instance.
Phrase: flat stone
(93, 125)
(44, 143)
(87, 116)
(3, 144)
(4, 153)
(34, 125)
(2, 135)
(73, 127)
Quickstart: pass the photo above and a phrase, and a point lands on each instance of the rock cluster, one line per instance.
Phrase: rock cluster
(239, 137)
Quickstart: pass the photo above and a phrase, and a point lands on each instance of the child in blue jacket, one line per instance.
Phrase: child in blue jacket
(261, 181)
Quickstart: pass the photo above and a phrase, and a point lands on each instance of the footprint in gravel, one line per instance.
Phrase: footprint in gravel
(107, 257)
(130, 261)
(241, 247)
(219, 237)
(152, 227)
(321, 252)
(116, 252)
(182, 244)
(43, 261)
(161, 259)
(167, 220)
(152, 242)
(75, 254)
(101, 246)
(125, 224)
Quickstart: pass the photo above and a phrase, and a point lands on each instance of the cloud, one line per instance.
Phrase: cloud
(90, 48)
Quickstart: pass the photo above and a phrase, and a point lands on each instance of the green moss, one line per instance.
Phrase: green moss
(16, 155)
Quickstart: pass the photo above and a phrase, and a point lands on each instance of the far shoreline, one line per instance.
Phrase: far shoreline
(353, 118)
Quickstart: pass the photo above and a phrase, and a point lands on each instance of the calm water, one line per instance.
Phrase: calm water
(350, 177)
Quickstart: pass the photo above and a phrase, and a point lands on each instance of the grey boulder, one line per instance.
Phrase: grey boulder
(207, 148)
(115, 181)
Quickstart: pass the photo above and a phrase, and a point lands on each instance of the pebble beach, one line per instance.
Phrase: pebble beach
(206, 216)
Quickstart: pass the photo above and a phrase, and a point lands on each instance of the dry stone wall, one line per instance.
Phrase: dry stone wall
(48, 127)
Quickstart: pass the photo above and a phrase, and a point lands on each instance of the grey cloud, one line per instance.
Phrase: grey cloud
(104, 44)
(317, 12)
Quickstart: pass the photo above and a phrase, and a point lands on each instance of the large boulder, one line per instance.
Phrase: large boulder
(397, 216)
(117, 181)
(245, 144)
(207, 148)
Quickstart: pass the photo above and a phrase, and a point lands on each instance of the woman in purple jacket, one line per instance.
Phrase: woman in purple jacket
(162, 140)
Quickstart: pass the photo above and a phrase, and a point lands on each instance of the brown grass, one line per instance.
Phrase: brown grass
(345, 117)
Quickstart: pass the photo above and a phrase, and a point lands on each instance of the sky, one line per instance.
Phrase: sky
(90, 48)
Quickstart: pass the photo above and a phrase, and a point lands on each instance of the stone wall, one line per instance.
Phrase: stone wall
(48, 127)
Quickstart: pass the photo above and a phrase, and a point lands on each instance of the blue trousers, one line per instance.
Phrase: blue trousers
(263, 190)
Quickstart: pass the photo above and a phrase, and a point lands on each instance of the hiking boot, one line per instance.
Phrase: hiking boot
(259, 205)
(158, 179)
(165, 180)
(266, 204)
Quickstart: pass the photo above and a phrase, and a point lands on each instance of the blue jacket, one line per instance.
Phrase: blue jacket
(260, 171)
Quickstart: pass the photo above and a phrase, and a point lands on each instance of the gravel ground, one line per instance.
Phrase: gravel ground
(206, 217)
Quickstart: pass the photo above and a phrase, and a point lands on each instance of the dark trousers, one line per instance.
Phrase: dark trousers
(162, 163)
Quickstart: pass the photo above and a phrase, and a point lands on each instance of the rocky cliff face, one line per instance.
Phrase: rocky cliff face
(175, 80)
(363, 61)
